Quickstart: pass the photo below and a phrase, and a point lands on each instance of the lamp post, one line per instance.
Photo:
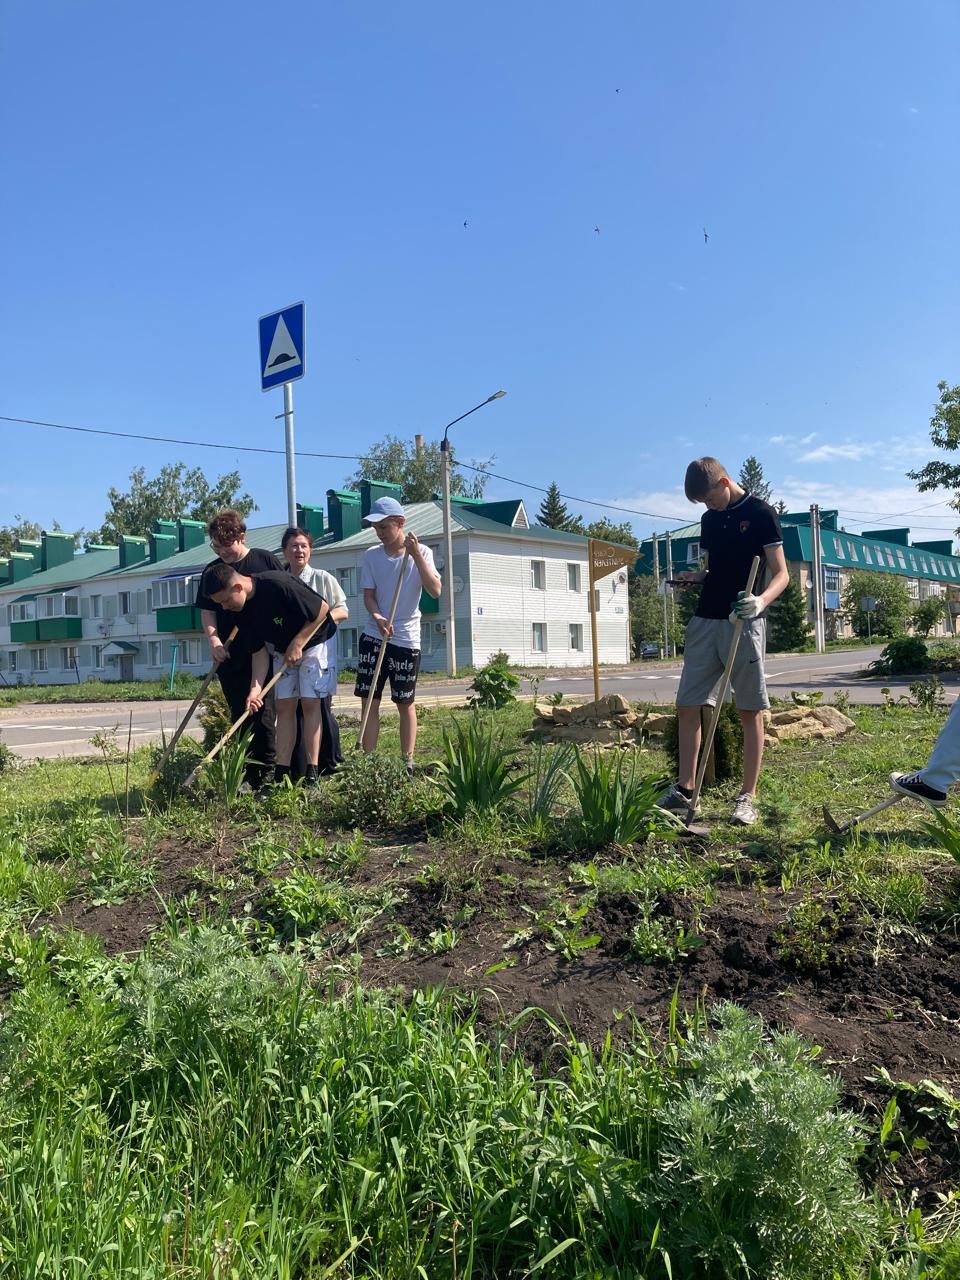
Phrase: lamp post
(448, 533)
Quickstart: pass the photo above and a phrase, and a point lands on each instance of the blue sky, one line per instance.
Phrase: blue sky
(171, 172)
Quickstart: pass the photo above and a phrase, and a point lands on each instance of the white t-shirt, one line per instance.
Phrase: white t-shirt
(326, 585)
(379, 573)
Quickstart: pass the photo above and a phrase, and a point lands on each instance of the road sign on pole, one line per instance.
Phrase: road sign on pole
(282, 357)
(282, 346)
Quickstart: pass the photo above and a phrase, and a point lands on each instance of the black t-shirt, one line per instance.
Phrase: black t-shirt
(278, 609)
(255, 561)
(731, 539)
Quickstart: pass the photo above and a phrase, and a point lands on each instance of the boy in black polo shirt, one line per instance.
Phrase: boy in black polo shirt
(228, 534)
(277, 610)
(735, 527)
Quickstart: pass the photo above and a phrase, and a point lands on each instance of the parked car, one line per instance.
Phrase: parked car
(650, 649)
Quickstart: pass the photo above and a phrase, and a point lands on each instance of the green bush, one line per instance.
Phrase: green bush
(7, 758)
(757, 1163)
(494, 686)
(373, 790)
(215, 717)
(905, 654)
(944, 655)
(727, 745)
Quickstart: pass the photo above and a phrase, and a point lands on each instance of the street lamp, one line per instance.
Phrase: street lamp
(447, 532)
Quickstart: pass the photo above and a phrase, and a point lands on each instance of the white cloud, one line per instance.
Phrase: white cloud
(779, 439)
(829, 452)
(808, 439)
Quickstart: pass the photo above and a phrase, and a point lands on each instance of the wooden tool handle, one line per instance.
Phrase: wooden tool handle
(383, 648)
(158, 767)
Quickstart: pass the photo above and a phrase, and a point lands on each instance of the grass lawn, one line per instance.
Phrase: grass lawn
(359, 1033)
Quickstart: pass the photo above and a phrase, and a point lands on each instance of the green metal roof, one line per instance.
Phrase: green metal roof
(425, 519)
(853, 551)
(83, 567)
(267, 537)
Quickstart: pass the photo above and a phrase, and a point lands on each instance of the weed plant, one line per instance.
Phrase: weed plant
(203, 1112)
(493, 687)
(228, 769)
(546, 782)
(617, 805)
(476, 772)
(374, 790)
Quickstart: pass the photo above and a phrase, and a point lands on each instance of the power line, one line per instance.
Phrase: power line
(195, 444)
(590, 502)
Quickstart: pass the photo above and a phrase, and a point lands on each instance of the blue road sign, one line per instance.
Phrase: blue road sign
(281, 346)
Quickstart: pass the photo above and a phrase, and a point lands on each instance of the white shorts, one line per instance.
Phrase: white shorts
(312, 677)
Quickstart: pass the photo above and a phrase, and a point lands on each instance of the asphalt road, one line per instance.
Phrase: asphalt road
(47, 731)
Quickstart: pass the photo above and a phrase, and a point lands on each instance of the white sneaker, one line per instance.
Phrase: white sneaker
(744, 814)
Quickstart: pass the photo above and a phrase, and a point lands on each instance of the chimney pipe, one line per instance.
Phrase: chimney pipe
(418, 441)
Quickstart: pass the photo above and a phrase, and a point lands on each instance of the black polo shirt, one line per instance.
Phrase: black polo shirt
(277, 610)
(255, 561)
(731, 539)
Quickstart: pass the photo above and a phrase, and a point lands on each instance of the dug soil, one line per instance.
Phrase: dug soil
(872, 1003)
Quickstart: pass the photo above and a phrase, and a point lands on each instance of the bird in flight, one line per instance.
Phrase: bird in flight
(706, 238)
(597, 230)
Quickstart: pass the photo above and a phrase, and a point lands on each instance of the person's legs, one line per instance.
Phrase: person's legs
(371, 730)
(943, 768)
(688, 738)
(286, 731)
(312, 730)
(408, 728)
(234, 677)
(330, 753)
(752, 722)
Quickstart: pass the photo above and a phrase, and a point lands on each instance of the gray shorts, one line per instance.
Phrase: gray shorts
(705, 656)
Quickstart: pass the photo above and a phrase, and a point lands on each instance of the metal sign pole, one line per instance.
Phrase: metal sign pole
(291, 457)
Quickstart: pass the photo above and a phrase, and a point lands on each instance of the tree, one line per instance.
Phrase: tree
(927, 614)
(894, 606)
(417, 472)
(30, 531)
(10, 534)
(781, 508)
(787, 627)
(605, 530)
(751, 479)
(178, 492)
(553, 513)
(646, 613)
(945, 434)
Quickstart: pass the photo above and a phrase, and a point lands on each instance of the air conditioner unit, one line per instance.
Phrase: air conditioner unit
(440, 628)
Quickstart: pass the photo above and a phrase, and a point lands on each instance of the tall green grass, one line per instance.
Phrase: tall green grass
(204, 1112)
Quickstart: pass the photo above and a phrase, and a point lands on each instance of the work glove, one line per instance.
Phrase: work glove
(746, 607)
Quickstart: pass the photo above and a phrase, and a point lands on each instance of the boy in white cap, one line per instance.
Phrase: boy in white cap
(379, 573)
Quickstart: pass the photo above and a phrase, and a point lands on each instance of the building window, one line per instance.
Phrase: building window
(96, 606)
(12, 662)
(348, 641)
(913, 586)
(188, 655)
(838, 548)
(831, 579)
(426, 638)
(901, 560)
(98, 661)
(348, 580)
(852, 550)
(155, 658)
(167, 593)
(538, 575)
(38, 660)
(539, 637)
(573, 577)
(23, 612)
(123, 602)
(69, 657)
(867, 555)
(693, 553)
(576, 637)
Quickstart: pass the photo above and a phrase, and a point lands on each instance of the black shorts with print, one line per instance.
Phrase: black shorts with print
(401, 665)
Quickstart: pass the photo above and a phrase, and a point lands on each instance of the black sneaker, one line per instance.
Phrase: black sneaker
(911, 784)
(675, 800)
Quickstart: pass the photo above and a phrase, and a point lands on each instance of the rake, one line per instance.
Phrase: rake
(168, 751)
(838, 828)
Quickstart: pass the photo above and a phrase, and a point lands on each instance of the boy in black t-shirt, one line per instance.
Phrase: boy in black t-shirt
(277, 610)
(735, 527)
(228, 532)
